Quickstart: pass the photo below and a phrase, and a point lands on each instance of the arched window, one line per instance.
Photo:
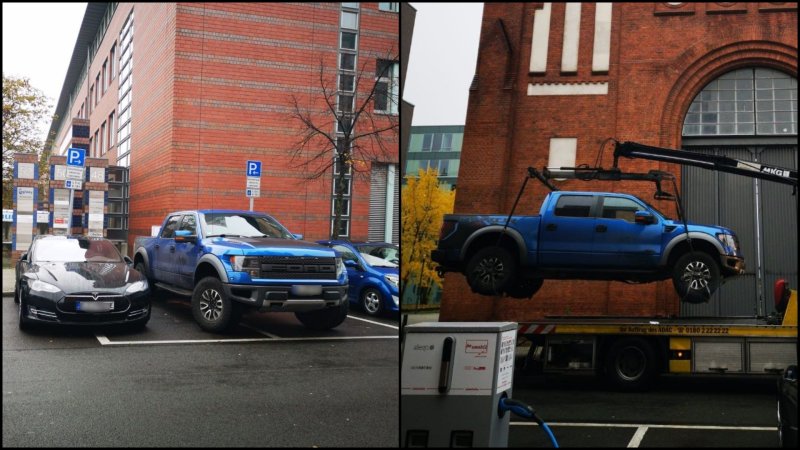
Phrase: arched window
(751, 101)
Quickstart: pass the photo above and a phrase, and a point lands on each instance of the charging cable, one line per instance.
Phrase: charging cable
(526, 411)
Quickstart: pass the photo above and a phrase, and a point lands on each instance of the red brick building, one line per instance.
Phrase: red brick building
(555, 80)
(184, 94)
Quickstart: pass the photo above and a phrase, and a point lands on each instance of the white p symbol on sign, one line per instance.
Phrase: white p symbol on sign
(75, 157)
(253, 168)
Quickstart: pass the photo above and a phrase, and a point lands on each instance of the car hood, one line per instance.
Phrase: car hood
(267, 246)
(87, 276)
(693, 226)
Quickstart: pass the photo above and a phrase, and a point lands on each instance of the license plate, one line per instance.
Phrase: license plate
(94, 306)
(306, 290)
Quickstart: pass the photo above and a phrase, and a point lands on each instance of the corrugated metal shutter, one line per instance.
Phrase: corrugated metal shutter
(766, 221)
(377, 203)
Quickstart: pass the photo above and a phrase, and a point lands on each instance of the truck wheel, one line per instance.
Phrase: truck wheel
(211, 308)
(155, 292)
(524, 288)
(695, 277)
(490, 270)
(630, 364)
(324, 319)
(372, 301)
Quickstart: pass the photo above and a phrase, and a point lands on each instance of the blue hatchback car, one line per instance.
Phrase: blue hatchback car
(373, 281)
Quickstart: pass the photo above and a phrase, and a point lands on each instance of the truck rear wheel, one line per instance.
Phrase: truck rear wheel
(490, 271)
(211, 308)
(695, 277)
(630, 364)
(324, 319)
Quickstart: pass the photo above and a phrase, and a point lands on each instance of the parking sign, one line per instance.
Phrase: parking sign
(76, 157)
(253, 168)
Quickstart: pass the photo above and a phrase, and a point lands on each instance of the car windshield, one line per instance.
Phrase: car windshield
(243, 225)
(374, 261)
(389, 253)
(75, 250)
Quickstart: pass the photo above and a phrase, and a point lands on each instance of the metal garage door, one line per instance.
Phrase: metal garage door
(764, 216)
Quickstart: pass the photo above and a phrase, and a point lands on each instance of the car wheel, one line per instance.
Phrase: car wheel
(524, 288)
(16, 292)
(211, 308)
(630, 364)
(696, 277)
(372, 301)
(324, 319)
(490, 270)
(24, 325)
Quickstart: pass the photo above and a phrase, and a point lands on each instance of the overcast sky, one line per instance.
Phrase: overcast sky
(444, 51)
(38, 39)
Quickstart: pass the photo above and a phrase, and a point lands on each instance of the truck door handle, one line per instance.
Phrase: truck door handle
(551, 227)
(157, 246)
(601, 228)
(172, 249)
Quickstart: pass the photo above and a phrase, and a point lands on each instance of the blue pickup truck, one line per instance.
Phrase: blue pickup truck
(589, 236)
(228, 261)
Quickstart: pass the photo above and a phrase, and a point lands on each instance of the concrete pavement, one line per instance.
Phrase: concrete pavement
(8, 282)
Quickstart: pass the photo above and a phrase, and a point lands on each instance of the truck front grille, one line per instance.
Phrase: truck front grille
(296, 268)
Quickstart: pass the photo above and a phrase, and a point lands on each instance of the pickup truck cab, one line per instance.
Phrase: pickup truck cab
(228, 261)
(591, 236)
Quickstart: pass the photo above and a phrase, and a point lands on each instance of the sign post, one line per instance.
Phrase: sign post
(76, 159)
(253, 186)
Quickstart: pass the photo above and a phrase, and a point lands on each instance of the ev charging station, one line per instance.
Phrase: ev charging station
(453, 376)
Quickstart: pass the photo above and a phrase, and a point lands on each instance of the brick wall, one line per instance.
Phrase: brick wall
(660, 58)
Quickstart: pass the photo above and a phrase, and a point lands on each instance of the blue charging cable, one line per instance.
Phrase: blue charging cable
(526, 411)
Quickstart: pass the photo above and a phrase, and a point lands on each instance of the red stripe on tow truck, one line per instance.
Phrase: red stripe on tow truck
(536, 329)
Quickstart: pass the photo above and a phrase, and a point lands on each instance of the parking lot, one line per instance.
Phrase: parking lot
(270, 382)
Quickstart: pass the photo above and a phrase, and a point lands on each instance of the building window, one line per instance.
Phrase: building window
(750, 101)
(113, 61)
(386, 88)
(97, 91)
(103, 140)
(347, 82)
(391, 7)
(348, 61)
(348, 41)
(346, 103)
(105, 76)
(349, 20)
(110, 130)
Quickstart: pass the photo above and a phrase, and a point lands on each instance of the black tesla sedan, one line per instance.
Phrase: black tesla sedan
(79, 280)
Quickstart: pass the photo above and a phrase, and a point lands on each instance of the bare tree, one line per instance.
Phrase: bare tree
(358, 123)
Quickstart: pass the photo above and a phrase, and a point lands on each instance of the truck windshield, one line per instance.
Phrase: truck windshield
(242, 225)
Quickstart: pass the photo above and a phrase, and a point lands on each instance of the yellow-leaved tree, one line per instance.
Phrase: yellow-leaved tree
(424, 204)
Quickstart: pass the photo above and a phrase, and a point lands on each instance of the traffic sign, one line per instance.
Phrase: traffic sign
(73, 184)
(253, 168)
(253, 192)
(75, 173)
(253, 183)
(76, 157)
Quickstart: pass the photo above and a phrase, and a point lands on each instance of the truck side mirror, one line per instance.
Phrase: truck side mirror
(185, 236)
(644, 218)
(299, 237)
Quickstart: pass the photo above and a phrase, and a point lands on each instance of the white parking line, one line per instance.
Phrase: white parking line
(637, 437)
(105, 341)
(260, 331)
(639, 425)
(372, 321)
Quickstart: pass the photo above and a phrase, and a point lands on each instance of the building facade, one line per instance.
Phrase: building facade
(554, 81)
(437, 147)
(182, 95)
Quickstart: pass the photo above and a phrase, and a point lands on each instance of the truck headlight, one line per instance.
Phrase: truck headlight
(138, 286)
(728, 241)
(392, 279)
(340, 269)
(247, 264)
(41, 286)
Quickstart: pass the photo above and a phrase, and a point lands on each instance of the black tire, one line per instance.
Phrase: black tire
(16, 292)
(696, 277)
(212, 309)
(154, 291)
(372, 301)
(324, 319)
(24, 325)
(524, 288)
(491, 270)
(630, 364)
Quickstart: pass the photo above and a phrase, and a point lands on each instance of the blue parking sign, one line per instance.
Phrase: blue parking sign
(76, 157)
(253, 168)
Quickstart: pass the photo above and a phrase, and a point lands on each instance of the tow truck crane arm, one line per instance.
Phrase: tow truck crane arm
(712, 162)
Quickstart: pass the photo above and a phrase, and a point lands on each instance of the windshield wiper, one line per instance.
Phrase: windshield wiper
(226, 235)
